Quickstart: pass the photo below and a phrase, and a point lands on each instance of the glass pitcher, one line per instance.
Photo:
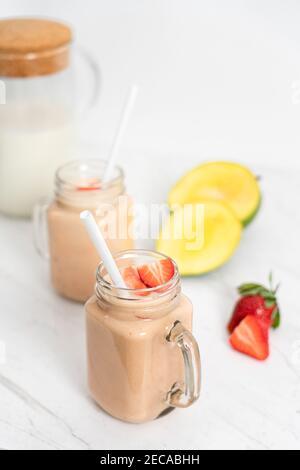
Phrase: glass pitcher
(39, 108)
(142, 357)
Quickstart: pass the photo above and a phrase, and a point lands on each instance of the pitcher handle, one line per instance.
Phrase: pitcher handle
(186, 395)
(92, 64)
(40, 228)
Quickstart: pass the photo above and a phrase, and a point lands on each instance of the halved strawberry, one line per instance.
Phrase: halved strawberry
(251, 337)
(157, 273)
(132, 278)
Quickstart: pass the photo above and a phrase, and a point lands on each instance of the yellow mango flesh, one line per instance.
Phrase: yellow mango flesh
(227, 182)
(212, 245)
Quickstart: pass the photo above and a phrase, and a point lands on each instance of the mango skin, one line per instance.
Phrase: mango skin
(227, 182)
(252, 216)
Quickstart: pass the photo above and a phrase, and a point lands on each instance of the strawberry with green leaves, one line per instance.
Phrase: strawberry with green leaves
(254, 314)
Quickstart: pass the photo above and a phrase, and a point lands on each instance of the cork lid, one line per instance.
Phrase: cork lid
(32, 47)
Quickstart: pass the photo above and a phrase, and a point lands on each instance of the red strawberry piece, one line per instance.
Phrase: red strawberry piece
(251, 337)
(92, 185)
(258, 301)
(250, 305)
(132, 279)
(88, 188)
(157, 273)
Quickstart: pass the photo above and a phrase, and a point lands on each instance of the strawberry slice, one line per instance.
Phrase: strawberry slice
(157, 273)
(92, 185)
(251, 337)
(88, 188)
(132, 279)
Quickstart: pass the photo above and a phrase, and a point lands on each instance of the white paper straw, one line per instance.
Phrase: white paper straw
(102, 248)
(125, 116)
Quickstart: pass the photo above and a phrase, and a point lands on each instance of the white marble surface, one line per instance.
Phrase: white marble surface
(244, 404)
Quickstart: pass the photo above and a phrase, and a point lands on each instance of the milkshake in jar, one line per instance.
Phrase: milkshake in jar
(60, 235)
(142, 357)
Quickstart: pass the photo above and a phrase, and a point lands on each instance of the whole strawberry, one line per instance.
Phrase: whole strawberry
(254, 314)
(259, 301)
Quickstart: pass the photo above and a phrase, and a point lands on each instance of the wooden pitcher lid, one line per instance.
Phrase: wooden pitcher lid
(32, 47)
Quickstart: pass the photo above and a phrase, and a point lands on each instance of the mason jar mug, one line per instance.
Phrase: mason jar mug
(142, 357)
(60, 235)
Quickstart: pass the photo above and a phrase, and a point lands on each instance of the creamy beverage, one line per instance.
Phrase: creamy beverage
(73, 258)
(140, 347)
(31, 153)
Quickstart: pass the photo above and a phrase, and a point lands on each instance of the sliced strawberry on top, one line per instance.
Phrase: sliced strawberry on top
(157, 273)
(251, 337)
(88, 188)
(132, 278)
(92, 185)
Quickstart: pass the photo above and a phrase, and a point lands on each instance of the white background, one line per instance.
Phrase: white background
(216, 81)
(216, 76)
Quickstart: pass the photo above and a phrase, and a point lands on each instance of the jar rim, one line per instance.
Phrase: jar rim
(100, 163)
(137, 294)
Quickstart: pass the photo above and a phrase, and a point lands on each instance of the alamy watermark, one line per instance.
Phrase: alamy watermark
(295, 353)
(2, 353)
(155, 221)
(2, 92)
(295, 88)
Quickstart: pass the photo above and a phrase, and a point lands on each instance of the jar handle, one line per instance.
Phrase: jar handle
(40, 228)
(91, 64)
(182, 396)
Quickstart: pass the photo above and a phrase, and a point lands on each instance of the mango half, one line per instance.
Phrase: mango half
(227, 182)
(202, 239)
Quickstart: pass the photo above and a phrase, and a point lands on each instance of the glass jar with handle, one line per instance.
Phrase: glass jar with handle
(60, 236)
(142, 357)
